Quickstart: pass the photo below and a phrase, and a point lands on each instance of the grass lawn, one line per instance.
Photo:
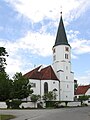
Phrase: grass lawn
(6, 117)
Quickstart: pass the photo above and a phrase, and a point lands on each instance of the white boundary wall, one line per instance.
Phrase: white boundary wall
(3, 105)
(28, 105)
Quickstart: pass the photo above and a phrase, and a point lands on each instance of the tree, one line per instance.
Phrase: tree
(3, 54)
(5, 82)
(35, 98)
(49, 96)
(5, 86)
(21, 86)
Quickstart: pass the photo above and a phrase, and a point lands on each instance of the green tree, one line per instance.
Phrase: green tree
(5, 82)
(5, 86)
(49, 96)
(35, 98)
(3, 55)
(21, 87)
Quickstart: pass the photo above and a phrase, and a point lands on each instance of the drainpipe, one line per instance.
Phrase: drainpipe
(59, 90)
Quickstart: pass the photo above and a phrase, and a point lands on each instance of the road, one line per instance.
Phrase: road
(79, 113)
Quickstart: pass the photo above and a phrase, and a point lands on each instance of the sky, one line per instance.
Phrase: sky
(28, 31)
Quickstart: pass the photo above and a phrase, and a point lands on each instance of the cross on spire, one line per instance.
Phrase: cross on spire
(61, 10)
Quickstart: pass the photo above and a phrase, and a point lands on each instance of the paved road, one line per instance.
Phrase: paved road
(82, 113)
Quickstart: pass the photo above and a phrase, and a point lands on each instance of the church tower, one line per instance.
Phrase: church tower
(62, 64)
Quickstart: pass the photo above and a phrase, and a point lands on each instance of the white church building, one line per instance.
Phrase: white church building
(57, 77)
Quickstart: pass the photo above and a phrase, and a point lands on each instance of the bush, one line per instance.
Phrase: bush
(50, 104)
(58, 105)
(8, 103)
(84, 104)
(14, 104)
(40, 105)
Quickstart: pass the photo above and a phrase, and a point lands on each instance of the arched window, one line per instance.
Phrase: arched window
(55, 93)
(45, 87)
(55, 90)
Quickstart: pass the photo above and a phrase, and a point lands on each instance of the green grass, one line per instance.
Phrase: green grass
(6, 117)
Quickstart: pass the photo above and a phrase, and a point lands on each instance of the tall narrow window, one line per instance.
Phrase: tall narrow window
(66, 77)
(66, 56)
(45, 87)
(67, 86)
(33, 84)
(66, 67)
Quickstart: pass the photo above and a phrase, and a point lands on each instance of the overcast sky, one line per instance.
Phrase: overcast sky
(28, 30)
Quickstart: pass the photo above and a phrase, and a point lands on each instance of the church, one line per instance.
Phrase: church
(57, 77)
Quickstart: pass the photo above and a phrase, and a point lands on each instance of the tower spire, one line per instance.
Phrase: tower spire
(61, 38)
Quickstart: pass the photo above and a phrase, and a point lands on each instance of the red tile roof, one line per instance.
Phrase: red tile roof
(33, 74)
(46, 73)
(82, 89)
